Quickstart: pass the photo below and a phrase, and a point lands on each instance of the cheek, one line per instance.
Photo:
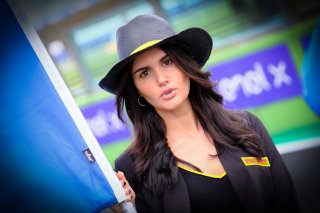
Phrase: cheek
(143, 87)
(185, 80)
(137, 83)
(187, 86)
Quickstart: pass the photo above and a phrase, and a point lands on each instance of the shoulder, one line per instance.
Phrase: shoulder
(124, 157)
(251, 120)
(125, 163)
(256, 125)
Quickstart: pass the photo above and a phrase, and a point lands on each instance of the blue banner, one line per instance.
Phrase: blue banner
(310, 70)
(47, 163)
(257, 79)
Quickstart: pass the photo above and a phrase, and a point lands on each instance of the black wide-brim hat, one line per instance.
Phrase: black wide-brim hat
(147, 31)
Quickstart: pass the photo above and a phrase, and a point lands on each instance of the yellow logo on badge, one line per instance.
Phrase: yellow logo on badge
(253, 161)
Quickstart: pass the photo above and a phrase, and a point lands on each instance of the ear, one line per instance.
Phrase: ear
(139, 93)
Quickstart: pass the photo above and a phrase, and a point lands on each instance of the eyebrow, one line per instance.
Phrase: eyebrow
(146, 67)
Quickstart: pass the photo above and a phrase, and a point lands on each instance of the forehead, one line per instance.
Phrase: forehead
(151, 55)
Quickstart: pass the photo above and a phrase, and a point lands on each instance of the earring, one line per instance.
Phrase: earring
(140, 102)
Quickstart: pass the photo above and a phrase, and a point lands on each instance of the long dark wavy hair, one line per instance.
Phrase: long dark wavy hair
(155, 165)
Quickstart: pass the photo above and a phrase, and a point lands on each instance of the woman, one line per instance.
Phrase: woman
(189, 154)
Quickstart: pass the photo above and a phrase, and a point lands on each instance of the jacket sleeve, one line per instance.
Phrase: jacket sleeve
(285, 198)
(125, 164)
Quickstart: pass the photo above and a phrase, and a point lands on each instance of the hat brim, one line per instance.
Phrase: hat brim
(196, 41)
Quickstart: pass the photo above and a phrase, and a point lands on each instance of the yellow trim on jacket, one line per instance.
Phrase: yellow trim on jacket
(201, 173)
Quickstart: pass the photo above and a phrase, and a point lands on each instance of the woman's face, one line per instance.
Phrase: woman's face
(159, 80)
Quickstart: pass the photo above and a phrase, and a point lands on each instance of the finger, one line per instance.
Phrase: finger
(128, 191)
(130, 198)
(123, 183)
(121, 175)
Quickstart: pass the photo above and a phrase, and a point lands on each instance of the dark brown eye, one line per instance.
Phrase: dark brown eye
(144, 73)
(167, 61)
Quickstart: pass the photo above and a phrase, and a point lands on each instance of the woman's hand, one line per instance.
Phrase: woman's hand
(131, 196)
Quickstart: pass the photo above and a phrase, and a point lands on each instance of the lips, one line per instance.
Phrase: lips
(168, 94)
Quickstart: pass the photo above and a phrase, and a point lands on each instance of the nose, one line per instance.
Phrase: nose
(162, 79)
(163, 82)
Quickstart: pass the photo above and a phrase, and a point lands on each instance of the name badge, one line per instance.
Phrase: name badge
(253, 161)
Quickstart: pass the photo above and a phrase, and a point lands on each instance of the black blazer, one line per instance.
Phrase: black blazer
(259, 188)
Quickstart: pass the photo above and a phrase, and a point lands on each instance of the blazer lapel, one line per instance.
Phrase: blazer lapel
(245, 183)
(176, 200)
(239, 178)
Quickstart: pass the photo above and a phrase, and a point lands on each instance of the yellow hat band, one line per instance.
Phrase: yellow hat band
(145, 45)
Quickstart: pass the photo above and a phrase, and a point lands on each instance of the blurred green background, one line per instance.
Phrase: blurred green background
(80, 37)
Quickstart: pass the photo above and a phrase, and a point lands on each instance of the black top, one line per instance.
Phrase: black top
(209, 193)
(260, 189)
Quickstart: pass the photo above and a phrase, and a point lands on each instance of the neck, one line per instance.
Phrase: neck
(180, 123)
